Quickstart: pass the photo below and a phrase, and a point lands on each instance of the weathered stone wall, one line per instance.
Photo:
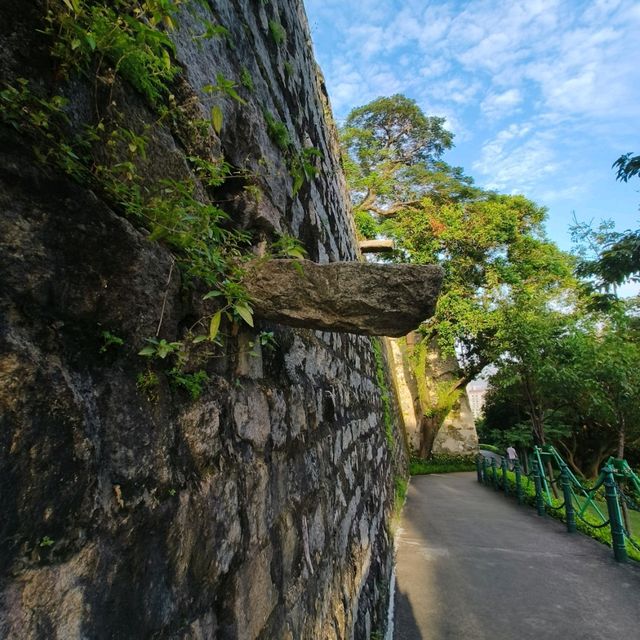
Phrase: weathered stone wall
(457, 435)
(260, 510)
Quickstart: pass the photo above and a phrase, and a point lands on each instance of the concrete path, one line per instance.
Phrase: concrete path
(472, 564)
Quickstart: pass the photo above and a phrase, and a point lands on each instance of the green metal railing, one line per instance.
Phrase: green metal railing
(552, 487)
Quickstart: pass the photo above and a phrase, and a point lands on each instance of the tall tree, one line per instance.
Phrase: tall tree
(490, 248)
(575, 377)
(392, 154)
(488, 244)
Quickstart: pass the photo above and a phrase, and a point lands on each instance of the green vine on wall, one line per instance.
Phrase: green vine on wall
(437, 397)
(301, 164)
(127, 34)
(127, 40)
(385, 392)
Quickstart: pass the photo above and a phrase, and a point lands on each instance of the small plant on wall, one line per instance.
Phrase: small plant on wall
(277, 32)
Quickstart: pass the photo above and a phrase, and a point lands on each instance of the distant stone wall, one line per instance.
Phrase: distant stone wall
(457, 435)
(260, 510)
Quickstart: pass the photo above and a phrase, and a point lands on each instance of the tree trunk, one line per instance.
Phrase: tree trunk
(570, 453)
(621, 434)
(537, 428)
(595, 467)
(430, 371)
(620, 455)
(526, 462)
(429, 427)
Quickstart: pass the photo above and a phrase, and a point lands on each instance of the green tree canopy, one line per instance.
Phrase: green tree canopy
(489, 245)
(392, 157)
(492, 247)
(617, 254)
(574, 377)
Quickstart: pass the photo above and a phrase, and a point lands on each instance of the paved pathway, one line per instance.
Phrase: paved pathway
(472, 564)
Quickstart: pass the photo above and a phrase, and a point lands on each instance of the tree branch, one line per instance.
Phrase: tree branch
(391, 210)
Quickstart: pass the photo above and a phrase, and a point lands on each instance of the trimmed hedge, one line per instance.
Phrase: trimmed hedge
(443, 463)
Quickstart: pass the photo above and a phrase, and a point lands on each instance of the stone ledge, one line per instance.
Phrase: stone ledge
(352, 297)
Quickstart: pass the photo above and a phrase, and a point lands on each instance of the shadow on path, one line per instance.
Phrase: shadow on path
(473, 564)
(405, 622)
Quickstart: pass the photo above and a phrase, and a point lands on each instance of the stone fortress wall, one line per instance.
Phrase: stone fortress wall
(260, 510)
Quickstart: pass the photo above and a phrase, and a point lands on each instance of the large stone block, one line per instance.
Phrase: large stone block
(255, 595)
(354, 297)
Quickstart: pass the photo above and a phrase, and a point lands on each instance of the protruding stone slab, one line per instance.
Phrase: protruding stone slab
(377, 246)
(353, 297)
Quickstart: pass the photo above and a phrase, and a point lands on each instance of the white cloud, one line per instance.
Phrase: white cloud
(496, 105)
(368, 37)
(566, 193)
(435, 67)
(517, 159)
(457, 90)
(563, 75)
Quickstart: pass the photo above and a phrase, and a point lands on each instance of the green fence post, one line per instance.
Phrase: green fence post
(494, 472)
(615, 515)
(484, 470)
(569, 511)
(479, 468)
(538, 484)
(516, 468)
(504, 476)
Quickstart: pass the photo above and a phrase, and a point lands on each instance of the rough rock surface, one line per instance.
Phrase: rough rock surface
(259, 510)
(356, 297)
(457, 435)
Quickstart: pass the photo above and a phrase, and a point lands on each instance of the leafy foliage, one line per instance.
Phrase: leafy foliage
(303, 168)
(128, 40)
(159, 348)
(193, 383)
(385, 393)
(246, 80)
(492, 247)
(110, 340)
(277, 32)
(442, 463)
(489, 245)
(393, 131)
(226, 87)
(277, 131)
(212, 30)
(628, 166)
(288, 247)
(302, 164)
(125, 33)
(571, 379)
(609, 256)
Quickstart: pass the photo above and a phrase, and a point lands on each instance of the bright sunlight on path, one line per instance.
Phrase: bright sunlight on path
(472, 564)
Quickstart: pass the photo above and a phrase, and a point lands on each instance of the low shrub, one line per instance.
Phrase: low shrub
(442, 463)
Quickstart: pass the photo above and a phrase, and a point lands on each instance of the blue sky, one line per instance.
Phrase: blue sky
(542, 95)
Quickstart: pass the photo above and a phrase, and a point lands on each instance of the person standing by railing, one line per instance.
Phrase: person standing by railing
(512, 456)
